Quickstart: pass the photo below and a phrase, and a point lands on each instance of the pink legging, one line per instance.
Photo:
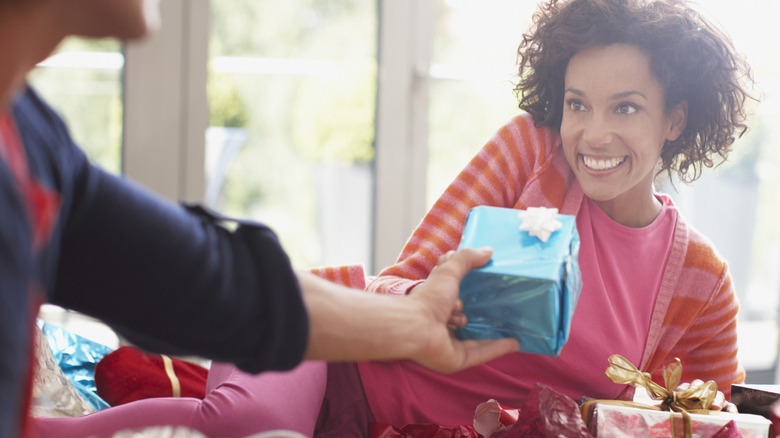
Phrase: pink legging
(236, 405)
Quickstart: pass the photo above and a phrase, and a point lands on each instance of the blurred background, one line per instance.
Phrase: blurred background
(339, 122)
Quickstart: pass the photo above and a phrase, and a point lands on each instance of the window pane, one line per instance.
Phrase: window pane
(298, 81)
(472, 76)
(736, 205)
(83, 82)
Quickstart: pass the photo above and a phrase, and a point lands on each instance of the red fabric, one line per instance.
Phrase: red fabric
(43, 203)
(128, 374)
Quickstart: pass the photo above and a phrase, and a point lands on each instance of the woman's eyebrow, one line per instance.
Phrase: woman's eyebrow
(624, 94)
(616, 96)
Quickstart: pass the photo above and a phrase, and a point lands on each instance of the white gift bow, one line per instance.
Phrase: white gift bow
(540, 222)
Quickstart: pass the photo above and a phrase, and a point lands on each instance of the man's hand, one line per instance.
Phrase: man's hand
(438, 299)
(346, 324)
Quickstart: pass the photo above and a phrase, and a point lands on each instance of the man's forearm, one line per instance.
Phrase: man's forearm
(346, 324)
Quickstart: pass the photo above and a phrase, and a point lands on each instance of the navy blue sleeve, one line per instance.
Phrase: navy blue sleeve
(15, 302)
(168, 280)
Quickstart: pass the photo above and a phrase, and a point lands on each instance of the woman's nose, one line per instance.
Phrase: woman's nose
(597, 131)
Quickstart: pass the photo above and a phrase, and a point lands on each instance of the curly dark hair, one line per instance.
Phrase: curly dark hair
(692, 59)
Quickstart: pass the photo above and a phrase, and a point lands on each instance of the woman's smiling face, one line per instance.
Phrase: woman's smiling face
(613, 128)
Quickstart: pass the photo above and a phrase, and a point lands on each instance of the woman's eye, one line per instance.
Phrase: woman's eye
(626, 108)
(576, 105)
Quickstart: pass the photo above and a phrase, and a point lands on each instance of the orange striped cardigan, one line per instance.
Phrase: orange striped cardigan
(695, 314)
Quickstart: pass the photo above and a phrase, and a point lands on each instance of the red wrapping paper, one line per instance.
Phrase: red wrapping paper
(547, 413)
(382, 430)
(128, 374)
(492, 417)
(544, 413)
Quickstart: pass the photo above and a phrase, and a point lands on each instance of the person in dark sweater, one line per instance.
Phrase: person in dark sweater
(169, 278)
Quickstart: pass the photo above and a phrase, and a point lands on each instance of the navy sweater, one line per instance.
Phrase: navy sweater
(165, 278)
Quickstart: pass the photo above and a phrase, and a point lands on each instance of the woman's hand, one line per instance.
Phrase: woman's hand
(719, 404)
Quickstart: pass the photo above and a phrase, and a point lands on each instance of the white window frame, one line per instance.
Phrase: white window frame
(166, 113)
(405, 47)
(165, 106)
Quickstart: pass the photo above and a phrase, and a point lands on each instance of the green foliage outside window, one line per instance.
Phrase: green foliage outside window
(306, 78)
(226, 106)
(89, 98)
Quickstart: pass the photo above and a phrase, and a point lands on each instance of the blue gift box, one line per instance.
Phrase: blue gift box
(529, 288)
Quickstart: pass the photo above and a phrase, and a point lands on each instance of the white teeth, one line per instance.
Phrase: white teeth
(596, 164)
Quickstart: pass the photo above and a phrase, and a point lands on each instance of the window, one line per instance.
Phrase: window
(292, 96)
(83, 81)
(472, 72)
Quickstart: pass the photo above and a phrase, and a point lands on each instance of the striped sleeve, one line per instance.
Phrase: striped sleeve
(496, 176)
(353, 276)
(700, 326)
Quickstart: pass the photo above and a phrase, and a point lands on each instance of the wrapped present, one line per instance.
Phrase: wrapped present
(53, 394)
(755, 399)
(77, 358)
(128, 374)
(529, 288)
(616, 421)
(677, 413)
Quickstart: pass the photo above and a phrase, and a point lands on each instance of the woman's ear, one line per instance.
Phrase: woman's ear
(678, 117)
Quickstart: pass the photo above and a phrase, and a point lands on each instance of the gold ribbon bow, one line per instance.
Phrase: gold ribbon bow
(697, 398)
(691, 400)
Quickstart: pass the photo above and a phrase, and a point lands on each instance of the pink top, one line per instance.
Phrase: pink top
(621, 272)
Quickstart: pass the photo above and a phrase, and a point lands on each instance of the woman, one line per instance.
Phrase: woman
(615, 92)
